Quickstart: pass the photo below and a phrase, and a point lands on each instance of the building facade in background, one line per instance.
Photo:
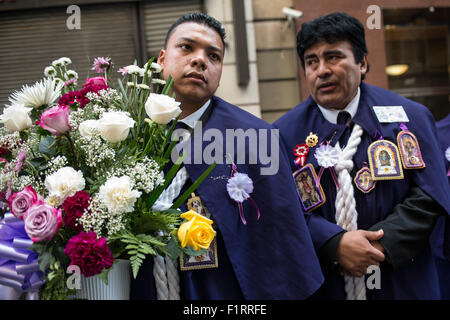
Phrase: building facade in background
(261, 72)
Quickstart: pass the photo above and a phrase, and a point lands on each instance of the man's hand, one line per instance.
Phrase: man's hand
(355, 252)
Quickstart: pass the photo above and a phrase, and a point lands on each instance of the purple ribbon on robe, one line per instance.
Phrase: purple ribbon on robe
(19, 267)
(240, 206)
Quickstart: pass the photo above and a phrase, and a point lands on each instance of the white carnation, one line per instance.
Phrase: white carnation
(64, 183)
(117, 195)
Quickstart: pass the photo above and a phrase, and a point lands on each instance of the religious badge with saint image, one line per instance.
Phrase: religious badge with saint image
(384, 161)
(311, 194)
(363, 179)
(409, 150)
(205, 260)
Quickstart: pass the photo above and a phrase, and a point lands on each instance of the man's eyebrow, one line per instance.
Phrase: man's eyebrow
(310, 56)
(213, 48)
(338, 52)
(325, 53)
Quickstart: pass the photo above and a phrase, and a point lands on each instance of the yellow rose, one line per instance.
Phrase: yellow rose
(196, 232)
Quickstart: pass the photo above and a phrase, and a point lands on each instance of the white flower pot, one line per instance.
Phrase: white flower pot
(118, 288)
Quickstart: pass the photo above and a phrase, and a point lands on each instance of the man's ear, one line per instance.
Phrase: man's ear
(364, 66)
(161, 58)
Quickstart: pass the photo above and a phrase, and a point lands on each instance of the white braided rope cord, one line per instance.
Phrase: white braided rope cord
(346, 214)
(165, 270)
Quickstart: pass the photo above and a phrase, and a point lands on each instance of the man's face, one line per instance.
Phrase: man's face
(194, 58)
(332, 74)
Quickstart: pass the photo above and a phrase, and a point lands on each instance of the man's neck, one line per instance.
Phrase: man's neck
(192, 118)
(188, 108)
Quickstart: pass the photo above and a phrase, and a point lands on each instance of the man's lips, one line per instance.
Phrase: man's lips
(196, 76)
(327, 86)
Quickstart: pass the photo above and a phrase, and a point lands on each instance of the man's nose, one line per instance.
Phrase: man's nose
(323, 70)
(199, 60)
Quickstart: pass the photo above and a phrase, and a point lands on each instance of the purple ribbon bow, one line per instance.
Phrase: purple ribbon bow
(19, 267)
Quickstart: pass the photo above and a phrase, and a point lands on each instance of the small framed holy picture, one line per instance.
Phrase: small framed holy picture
(384, 161)
(311, 196)
(410, 150)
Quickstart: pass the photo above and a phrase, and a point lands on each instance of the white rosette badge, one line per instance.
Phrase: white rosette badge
(327, 157)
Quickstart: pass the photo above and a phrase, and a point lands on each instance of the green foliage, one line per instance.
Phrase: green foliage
(55, 287)
(151, 221)
(46, 146)
(138, 247)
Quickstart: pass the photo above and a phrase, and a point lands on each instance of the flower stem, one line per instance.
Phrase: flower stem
(75, 162)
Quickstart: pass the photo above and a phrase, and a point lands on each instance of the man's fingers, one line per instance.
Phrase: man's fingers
(376, 255)
(374, 235)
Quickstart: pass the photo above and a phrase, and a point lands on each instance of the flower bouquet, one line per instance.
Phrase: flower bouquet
(82, 170)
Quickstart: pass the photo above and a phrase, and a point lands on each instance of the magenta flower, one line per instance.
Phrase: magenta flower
(74, 208)
(101, 64)
(100, 81)
(94, 84)
(42, 221)
(92, 255)
(21, 201)
(55, 120)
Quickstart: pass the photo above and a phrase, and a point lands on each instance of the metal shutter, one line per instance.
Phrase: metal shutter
(31, 39)
(158, 17)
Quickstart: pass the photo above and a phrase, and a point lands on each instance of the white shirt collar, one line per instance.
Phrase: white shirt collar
(331, 114)
(193, 117)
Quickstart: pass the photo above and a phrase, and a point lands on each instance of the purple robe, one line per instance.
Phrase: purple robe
(418, 279)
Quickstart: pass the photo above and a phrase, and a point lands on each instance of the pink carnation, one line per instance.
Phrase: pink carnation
(92, 255)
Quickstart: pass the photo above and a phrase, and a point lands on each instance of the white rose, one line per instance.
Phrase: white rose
(64, 183)
(16, 118)
(161, 108)
(117, 195)
(115, 126)
(88, 128)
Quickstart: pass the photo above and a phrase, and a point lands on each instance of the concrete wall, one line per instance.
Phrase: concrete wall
(276, 57)
(245, 97)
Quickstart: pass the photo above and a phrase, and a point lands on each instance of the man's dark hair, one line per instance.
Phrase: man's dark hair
(201, 18)
(337, 26)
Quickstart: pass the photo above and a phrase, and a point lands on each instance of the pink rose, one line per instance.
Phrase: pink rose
(55, 120)
(42, 221)
(21, 201)
(92, 255)
(95, 80)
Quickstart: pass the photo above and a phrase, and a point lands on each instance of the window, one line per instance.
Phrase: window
(418, 56)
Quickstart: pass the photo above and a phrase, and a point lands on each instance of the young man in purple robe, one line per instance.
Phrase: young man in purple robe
(267, 258)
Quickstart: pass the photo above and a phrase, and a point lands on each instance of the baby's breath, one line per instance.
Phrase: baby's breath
(144, 175)
(97, 218)
(95, 149)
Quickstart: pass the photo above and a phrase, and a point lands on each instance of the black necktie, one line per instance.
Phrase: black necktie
(344, 118)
